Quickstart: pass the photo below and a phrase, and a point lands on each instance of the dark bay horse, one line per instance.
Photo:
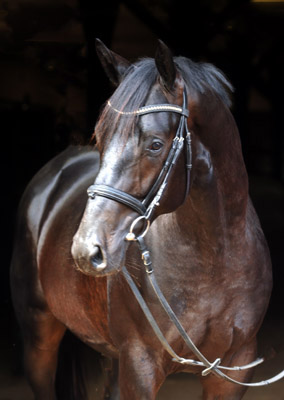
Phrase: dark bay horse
(208, 250)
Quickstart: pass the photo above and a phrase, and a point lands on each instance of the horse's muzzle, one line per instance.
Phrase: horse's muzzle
(90, 258)
(97, 259)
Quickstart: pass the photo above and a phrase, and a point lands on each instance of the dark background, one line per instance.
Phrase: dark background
(52, 87)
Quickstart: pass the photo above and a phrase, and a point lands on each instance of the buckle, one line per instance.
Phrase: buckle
(131, 237)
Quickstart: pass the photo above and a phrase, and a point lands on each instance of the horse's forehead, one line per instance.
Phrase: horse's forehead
(127, 136)
(160, 122)
(156, 95)
(156, 122)
(120, 148)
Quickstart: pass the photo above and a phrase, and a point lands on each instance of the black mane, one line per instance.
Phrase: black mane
(133, 91)
(205, 77)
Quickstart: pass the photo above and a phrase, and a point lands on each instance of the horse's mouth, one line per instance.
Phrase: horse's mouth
(100, 271)
(96, 273)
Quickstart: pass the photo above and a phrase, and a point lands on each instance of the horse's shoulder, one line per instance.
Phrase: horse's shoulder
(69, 164)
(70, 172)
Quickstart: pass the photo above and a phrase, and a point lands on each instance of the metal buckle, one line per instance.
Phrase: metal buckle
(131, 237)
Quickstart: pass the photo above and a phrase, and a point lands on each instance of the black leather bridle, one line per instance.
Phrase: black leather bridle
(145, 208)
(151, 201)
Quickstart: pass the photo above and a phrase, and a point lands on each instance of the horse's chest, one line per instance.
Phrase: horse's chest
(76, 300)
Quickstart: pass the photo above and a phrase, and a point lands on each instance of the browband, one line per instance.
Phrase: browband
(153, 109)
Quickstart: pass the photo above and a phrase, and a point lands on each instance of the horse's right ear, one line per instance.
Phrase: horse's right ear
(113, 64)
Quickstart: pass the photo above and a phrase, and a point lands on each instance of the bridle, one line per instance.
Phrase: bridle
(146, 208)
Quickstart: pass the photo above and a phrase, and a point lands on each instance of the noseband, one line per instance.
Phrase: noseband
(152, 200)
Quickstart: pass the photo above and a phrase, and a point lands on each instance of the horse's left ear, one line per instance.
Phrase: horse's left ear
(165, 65)
(113, 64)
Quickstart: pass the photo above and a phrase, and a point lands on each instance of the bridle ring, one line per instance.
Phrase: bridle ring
(131, 236)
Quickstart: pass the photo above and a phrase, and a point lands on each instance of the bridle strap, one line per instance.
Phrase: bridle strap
(162, 174)
(117, 195)
(153, 109)
(163, 107)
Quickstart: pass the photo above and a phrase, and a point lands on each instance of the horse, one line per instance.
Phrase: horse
(207, 248)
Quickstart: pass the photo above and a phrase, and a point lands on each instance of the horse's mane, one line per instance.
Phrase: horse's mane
(204, 78)
(132, 93)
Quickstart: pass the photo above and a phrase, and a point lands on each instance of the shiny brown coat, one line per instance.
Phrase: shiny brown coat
(209, 253)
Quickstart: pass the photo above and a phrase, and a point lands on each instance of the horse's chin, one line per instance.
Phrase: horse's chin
(97, 273)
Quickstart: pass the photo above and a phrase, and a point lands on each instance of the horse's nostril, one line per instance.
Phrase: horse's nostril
(97, 258)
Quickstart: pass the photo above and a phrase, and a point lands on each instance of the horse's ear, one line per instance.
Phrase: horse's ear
(113, 64)
(165, 65)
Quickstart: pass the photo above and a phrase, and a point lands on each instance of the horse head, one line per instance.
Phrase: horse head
(134, 147)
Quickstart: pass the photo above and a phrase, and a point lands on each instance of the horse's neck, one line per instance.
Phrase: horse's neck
(217, 203)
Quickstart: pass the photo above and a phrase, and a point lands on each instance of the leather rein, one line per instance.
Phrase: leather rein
(146, 208)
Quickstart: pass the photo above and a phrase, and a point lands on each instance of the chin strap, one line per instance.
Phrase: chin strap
(215, 367)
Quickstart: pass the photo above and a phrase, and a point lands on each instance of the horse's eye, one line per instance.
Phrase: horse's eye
(156, 146)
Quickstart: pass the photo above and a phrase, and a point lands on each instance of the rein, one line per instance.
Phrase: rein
(146, 208)
(209, 367)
